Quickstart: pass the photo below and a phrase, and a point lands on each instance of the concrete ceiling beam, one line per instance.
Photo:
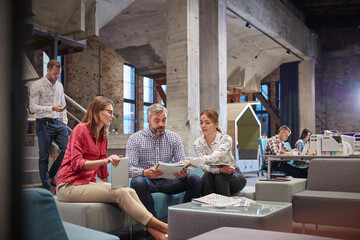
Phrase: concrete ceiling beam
(91, 22)
(58, 17)
(98, 14)
(269, 16)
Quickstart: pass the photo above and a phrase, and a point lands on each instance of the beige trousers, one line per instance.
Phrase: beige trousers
(126, 198)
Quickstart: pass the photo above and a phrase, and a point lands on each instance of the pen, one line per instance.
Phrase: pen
(147, 180)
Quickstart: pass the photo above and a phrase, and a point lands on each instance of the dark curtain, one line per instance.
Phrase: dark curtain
(289, 99)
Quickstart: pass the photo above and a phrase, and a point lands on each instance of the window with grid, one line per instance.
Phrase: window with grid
(148, 90)
(260, 110)
(129, 100)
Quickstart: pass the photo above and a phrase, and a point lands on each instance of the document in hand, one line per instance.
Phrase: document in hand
(169, 169)
(195, 163)
(220, 201)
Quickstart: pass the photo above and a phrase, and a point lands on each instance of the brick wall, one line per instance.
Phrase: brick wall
(97, 70)
(338, 90)
(139, 103)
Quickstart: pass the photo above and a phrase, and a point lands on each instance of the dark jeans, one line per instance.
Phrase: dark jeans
(291, 170)
(144, 187)
(224, 184)
(48, 130)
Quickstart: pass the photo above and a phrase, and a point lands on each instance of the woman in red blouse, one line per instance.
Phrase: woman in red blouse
(86, 158)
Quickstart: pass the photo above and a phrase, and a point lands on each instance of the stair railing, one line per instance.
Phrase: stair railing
(31, 117)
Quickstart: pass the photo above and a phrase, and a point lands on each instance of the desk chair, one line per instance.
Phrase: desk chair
(262, 146)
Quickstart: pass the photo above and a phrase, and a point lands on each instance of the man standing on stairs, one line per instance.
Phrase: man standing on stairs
(47, 101)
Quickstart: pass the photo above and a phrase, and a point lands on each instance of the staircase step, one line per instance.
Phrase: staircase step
(30, 151)
(31, 185)
(30, 163)
(31, 177)
(30, 134)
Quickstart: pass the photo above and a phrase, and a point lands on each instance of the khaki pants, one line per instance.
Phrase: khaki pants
(126, 198)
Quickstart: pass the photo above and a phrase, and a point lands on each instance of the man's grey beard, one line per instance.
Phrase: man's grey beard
(156, 132)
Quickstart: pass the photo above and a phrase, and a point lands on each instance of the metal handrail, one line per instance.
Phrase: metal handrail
(75, 118)
(73, 102)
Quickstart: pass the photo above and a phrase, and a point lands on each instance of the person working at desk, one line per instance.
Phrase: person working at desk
(86, 157)
(304, 138)
(150, 146)
(276, 146)
(222, 176)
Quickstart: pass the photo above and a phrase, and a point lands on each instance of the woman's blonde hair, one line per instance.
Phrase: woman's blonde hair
(213, 116)
(92, 116)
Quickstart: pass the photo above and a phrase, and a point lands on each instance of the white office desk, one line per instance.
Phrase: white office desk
(301, 158)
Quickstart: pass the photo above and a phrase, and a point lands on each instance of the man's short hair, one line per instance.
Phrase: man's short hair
(155, 108)
(53, 63)
(284, 127)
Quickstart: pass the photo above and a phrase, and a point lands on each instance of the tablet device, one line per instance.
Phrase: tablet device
(120, 174)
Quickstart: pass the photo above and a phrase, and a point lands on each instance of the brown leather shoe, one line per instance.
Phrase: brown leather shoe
(52, 182)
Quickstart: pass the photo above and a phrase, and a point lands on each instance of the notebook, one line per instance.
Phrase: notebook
(120, 174)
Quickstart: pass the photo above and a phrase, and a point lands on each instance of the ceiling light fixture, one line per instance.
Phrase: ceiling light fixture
(288, 51)
(248, 25)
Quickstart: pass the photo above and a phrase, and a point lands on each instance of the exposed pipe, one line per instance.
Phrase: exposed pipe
(248, 23)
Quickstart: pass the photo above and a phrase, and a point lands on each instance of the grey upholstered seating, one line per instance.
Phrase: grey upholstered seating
(42, 220)
(332, 195)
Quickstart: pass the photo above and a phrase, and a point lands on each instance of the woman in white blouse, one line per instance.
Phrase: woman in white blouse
(222, 176)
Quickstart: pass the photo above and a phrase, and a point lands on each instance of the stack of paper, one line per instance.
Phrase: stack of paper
(195, 163)
(220, 201)
(169, 169)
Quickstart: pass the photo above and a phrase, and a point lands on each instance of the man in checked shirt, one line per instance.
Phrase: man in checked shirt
(276, 146)
(155, 144)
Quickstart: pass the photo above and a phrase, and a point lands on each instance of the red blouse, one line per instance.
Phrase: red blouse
(81, 148)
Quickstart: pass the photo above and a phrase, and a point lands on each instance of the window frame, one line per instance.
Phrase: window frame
(263, 111)
(130, 101)
(147, 104)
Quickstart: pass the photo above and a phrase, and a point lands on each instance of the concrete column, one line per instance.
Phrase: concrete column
(213, 56)
(307, 95)
(182, 70)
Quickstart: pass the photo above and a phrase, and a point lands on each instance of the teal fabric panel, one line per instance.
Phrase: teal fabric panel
(198, 171)
(288, 146)
(81, 233)
(262, 144)
(42, 218)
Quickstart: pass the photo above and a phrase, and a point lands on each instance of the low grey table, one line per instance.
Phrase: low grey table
(190, 219)
(229, 233)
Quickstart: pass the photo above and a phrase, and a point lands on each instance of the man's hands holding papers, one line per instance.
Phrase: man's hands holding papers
(172, 170)
(183, 172)
(152, 172)
(167, 170)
